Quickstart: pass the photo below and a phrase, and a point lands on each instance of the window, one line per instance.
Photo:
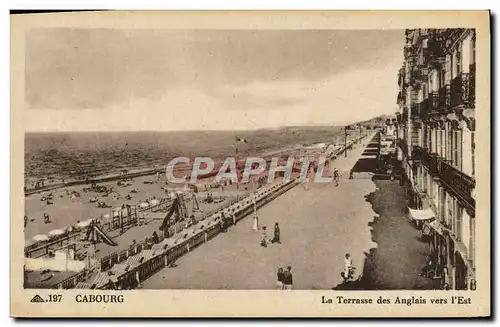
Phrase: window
(472, 242)
(458, 220)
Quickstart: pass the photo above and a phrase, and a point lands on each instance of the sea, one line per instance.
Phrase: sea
(76, 155)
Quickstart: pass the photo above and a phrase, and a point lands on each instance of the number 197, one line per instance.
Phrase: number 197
(55, 298)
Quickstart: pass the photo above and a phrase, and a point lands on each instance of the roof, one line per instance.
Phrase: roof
(101, 279)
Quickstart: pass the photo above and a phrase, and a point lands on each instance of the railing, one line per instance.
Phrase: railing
(438, 100)
(45, 245)
(459, 184)
(462, 89)
(72, 281)
(455, 181)
(430, 160)
(415, 110)
(469, 87)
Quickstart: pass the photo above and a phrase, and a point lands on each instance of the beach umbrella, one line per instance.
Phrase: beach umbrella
(144, 205)
(56, 232)
(40, 237)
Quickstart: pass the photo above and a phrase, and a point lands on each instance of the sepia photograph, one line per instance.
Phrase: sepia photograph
(251, 159)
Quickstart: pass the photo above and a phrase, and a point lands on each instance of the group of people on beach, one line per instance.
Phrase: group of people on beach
(276, 239)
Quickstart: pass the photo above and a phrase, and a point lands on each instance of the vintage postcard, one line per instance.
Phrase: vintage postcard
(250, 164)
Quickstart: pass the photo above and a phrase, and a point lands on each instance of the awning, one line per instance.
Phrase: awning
(436, 226)
(421, 214)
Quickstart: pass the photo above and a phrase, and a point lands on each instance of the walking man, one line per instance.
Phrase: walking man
(288, 278)
(276, 238)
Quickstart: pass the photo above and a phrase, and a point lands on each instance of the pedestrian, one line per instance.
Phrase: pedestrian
(276, 238)
(347, 267)
(287, 278)
(336, 177)
(280, 278)
(263, 241)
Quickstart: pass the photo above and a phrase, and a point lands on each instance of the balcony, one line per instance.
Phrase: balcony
(456, 182)
(469, 87)
(459, 184)
(415, 111)
(417, 153)
(462, 90)
(437, 100)
(435, 55)
(431, 161)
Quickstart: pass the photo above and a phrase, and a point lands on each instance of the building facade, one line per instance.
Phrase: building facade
(436, 129)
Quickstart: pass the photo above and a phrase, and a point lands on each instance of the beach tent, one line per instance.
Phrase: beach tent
(155, 202)
(144, 205)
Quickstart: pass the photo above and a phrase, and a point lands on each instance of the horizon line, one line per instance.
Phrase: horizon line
(343, 124)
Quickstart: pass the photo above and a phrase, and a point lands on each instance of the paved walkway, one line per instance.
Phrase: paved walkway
(318, 227)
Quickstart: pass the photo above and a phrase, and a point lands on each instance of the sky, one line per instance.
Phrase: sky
(115, 80)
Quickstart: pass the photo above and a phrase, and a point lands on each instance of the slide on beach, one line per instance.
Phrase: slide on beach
(105, 238)
(173, 208)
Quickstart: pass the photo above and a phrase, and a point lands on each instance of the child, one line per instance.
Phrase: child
(263, 241)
